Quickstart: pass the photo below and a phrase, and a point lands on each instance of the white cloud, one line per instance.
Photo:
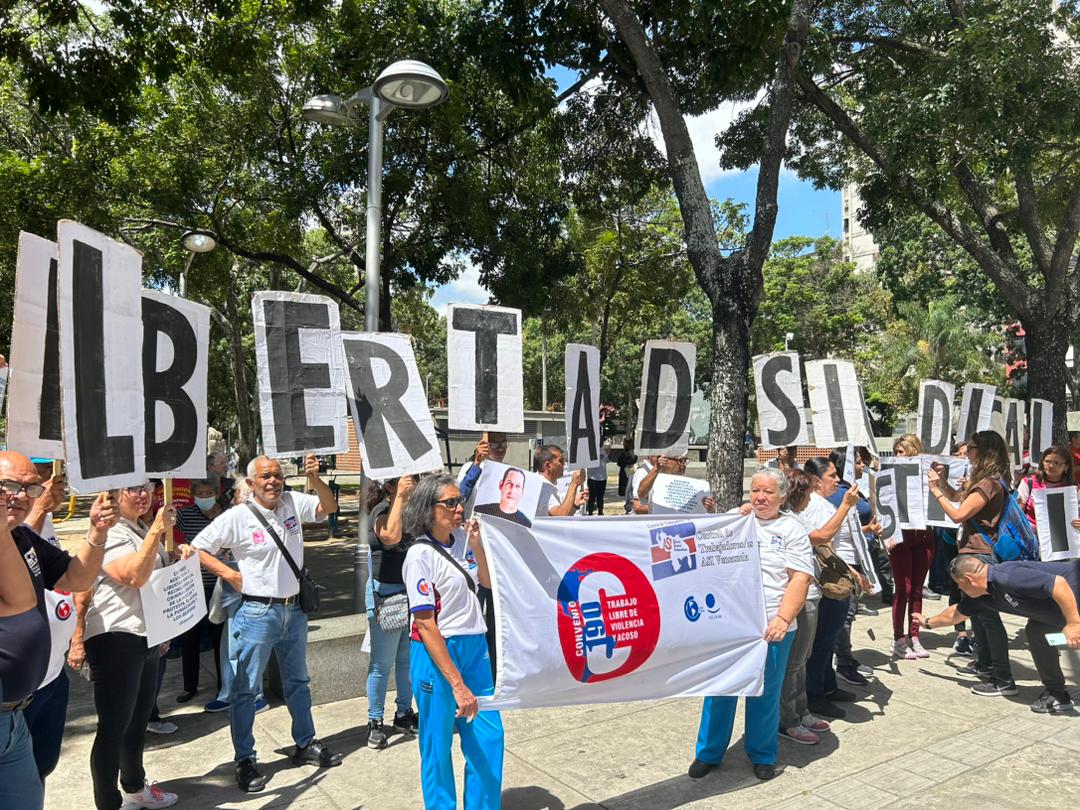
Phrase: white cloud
(465, 289)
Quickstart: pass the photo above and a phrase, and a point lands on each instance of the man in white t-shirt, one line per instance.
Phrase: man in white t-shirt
(548, 461)
(269, 618)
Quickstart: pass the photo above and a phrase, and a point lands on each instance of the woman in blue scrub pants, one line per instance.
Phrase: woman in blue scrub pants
(787, 566)
(449, 661)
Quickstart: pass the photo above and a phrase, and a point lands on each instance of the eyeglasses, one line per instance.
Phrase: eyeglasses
(14, 488)
(145, 489)
(451, 503)
(497, 445)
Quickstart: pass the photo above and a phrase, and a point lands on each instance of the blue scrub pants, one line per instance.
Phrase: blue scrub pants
(762, 714)
(481, 740)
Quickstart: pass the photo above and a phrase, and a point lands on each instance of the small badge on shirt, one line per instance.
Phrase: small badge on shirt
(63, 610)
(32, 562)
(776, 540)
(292, 525)
(258, 537)
(470, 558)
(423, 588)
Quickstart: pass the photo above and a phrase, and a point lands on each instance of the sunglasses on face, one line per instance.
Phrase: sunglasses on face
(14, 488)
(450, 503)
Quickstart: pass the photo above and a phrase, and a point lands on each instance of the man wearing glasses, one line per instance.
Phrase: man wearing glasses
(269, 618)
(25, 650)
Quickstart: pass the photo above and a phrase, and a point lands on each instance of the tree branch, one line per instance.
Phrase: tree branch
(1062, 263)
(913, 48)
(1029, 217)
(985, 210)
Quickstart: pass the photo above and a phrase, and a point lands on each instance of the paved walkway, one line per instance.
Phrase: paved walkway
(915, 738)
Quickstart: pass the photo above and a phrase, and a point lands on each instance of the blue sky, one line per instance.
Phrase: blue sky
(803, 210)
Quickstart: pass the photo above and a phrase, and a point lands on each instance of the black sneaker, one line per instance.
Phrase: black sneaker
(248, 777)
(376, 736)
(929, 594)
(1052, 704)
(315, 754)
(995, 689)
(962, 646)
(842, 696)
(852, 676)
(698, 769)
(407, 723)
(973, 668)
(823, 708)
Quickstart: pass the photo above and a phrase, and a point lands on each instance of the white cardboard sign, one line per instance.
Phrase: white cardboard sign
(583, 440)
(678, 494)
(173, 601)
(483, 359)
(667, 388)
(908, 478)
(976, 409)
(836, 404)
(936, 415)
(1055, 510)
(1040, 426)
(781, 412)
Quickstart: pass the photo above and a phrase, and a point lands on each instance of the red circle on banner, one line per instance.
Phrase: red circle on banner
(606, 632)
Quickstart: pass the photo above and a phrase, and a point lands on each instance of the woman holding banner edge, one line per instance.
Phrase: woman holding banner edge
(449, 660)
(787, 569)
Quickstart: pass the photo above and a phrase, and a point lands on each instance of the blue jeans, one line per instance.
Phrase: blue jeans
(19, 776)
(762, 714)
(387, 649)
(255, 631)
(820, 675)
(45, 718)
(481, 740)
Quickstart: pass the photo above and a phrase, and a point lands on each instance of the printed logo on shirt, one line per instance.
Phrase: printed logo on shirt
(776, 540)
(292, 525)
(608, 617)
(63, 611)
(674, 550)
(1011, 599)
(470, 559)
(258, 537)
(32, 563)
(423, 588)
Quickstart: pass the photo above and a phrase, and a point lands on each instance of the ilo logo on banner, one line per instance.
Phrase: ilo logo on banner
(608, 617)
(674, 550)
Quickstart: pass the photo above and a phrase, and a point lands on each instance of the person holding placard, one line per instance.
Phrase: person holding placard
(1045, 593)
(787, 569)
(449, 660)
(266, 537)
(493, 446)
(982, 502)
(548, 461)
(597, 482)
(1055, 470)
(1074, 449)
(645, 475)
(123, 668)
(785, 459)
(910, 559)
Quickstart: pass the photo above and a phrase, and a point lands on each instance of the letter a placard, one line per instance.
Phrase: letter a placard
(582, 365)
(483, 362)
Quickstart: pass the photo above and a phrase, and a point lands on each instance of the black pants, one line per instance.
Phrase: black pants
(597, 490)
(45, 718)
(950, 553)
(1047, 659)
(124, 674)
(992, 639)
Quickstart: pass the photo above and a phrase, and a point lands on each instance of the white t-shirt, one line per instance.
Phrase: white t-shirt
(117, 608)
(843, 542)
(262, 565)
(434, 583)
(48, 530)
(782, 544)
(635, 483)
(61, 610)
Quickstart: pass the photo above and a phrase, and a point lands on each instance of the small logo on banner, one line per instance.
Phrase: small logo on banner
(711, 605)
(258, 537)
(423, 588)
(674, 550)
(608, 617)
(691, 609)
(292, 524)
(63, 611)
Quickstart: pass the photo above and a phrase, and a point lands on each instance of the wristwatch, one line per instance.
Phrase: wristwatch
(926, 622)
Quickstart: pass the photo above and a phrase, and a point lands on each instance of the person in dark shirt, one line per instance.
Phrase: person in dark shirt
(1046, 593)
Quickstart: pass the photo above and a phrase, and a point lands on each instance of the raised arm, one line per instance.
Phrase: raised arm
(327, 503)
(134, 569)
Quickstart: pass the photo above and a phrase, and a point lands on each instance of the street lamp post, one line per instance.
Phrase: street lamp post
(194, 242)
(410, 85)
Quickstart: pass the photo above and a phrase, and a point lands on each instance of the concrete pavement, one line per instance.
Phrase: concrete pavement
(915, 738)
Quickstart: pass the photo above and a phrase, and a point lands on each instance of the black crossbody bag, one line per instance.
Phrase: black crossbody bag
(309, 588)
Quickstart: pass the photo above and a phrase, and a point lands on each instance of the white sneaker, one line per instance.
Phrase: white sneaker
(149, 798)
(161, 727)
(918, 649)
(901, 649)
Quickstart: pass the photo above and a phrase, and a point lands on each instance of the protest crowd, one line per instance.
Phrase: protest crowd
(961, 510)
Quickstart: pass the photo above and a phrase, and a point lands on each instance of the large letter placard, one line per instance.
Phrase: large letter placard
(1014, 431)
(908, 475)
(100, 307)
(176, 347)
(953, 470)
(1055, 510)
(302, 403)
(836, 406)
(582, 366)
(936, 415)
(35, 426)
(781, 414)
(667, 386)
(1040, 427)
(888, 509)
(389, 406)
(483, 360)
(976, 409)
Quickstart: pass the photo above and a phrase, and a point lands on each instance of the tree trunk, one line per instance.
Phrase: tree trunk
(245, 417)
(728, 398)
(1046, 341)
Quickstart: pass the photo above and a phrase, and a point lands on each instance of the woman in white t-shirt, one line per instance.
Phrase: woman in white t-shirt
(449, 663)
(123, 669)
(787, 569)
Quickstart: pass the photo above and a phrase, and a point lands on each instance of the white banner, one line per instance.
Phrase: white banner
(1055, 510)
(862, 552)
(780, 408)
(678, 494)
(908, 478)
(176, 349)
(602, 610)
(582, 404)
(35, 425)
(667, 388)
(389, 407)
(483, 362)
(298, 356)
(173, 600)
(976, 409)
(99, 305)
(936, 415)
(836, 404)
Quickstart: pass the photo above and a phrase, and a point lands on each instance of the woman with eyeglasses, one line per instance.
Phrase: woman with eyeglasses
(1055, 470)
(449, 661)
(123, 669)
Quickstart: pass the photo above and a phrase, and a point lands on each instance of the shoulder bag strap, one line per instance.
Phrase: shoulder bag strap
(453, 562)
(277, 540)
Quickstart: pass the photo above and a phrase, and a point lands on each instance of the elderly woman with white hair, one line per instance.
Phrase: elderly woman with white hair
(787, 568)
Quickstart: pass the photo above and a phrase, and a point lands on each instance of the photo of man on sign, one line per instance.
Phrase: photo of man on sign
(511, 489)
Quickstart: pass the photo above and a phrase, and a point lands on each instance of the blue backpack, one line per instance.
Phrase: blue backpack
(1015, 540)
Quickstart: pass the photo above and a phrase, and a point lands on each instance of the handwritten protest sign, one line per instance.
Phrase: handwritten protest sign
(173, 601)
(675, 494)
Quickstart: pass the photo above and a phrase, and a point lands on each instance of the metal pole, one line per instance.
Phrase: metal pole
(183, 274)
(373, 241)
(543, 371)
